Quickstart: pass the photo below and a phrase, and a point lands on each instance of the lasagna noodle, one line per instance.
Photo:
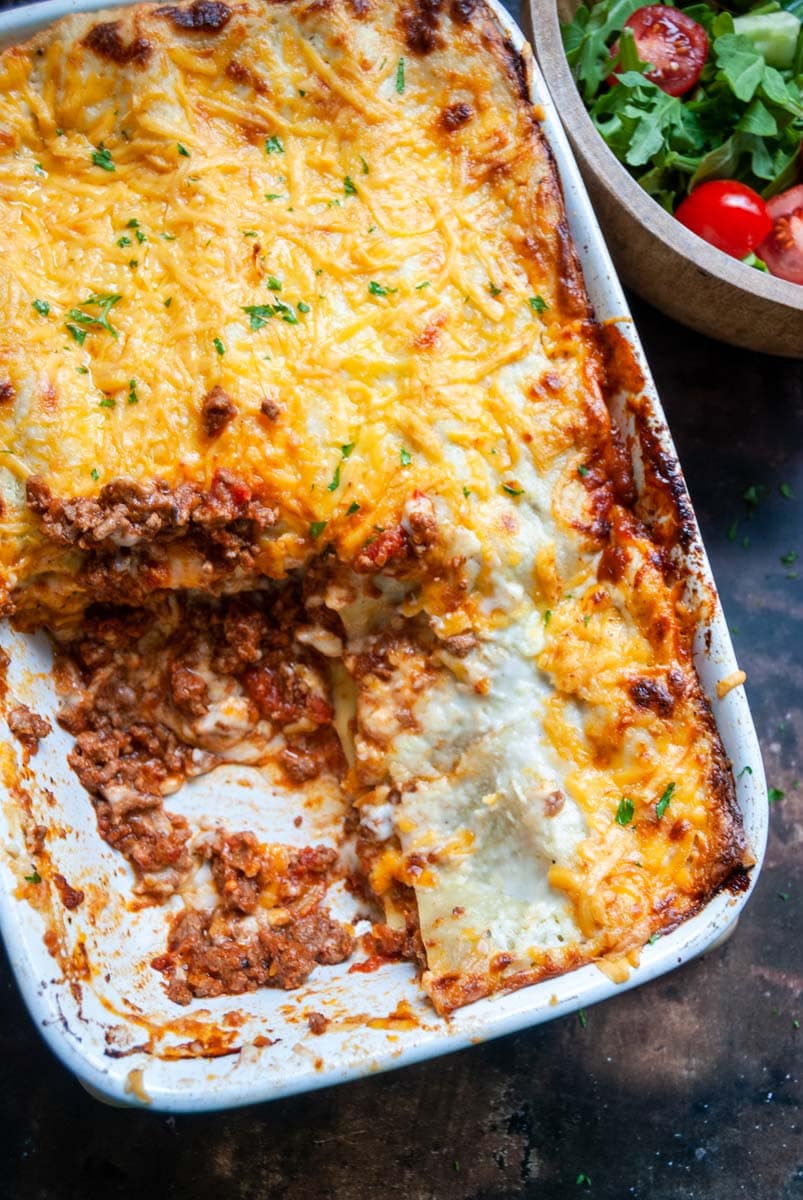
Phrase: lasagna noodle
(288, 291)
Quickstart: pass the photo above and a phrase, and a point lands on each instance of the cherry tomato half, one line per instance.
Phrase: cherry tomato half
(727, 214)
(674, 44)
(782, 249)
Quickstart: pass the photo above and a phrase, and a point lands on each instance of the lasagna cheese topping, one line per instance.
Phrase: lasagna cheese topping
(306, 464)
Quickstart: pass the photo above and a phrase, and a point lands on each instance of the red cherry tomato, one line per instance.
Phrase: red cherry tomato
(727, 214)
(782, 249)
(674, 44)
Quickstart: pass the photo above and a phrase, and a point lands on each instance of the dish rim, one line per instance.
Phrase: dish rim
(505, 1013)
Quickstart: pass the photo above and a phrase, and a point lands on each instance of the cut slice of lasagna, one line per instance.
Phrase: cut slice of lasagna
(306, 463)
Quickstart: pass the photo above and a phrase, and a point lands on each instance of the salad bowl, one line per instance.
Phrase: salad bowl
(662, 261)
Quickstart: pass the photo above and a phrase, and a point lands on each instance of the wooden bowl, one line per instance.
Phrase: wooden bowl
(655, 255)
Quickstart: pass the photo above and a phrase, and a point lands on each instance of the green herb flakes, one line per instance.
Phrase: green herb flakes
(303, 307)
(218, 344)
(273, 145)
(78, 335)
(583, 471)
(653, 938)
(273, 284)
(775, 795)
(335, 484)
(512, 490)
(348, 186)
(41, 306)
(317, 528)
(347, 449)
(124, 241)
(183, 151)
(95, 474)
(405, 457)
(377, 289)
(582, 1017)
(494, 290)
(624, 813)
(538, 304)
(102, 158)
(34, 878)
(364, 165)
(663, 803)
(133, 398)
(352, 509)
(400, 77)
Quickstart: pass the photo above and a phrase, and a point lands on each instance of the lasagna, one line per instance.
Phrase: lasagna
(306, 463)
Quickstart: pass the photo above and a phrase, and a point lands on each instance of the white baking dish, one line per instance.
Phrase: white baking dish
(112, 1024)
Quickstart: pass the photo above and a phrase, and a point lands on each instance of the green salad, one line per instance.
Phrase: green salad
(744, 119)
(688, 94)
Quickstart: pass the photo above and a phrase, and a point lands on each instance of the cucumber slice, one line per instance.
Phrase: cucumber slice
(774, 36)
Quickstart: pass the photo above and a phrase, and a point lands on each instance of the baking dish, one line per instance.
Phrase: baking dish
(90, 988)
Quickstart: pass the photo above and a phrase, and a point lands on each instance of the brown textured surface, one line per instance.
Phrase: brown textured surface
(686, 1089)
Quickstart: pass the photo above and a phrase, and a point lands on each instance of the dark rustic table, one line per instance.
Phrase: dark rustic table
(685, 1089)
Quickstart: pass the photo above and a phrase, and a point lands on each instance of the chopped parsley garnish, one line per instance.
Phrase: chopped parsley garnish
(582, 471)
(273, 145)
(82, 370)
(140, 236)
(494, 290)
(512, 490)
(168, 301)
(663, 803)
(624, 813)
(303, 307)
(218, 344)
(273, 283)
(347, 449)
(420, 286)
(107, 402)
(348, 186)
(43, 308)
(183, 151)
(405, 456)
(317, 528)
(35, 878)
(168, 237)
(102, 158)
(285, 312)
(755, 494)
(273, 195)
(124, 241)
(400, 77)
(39, 169)
(105, 302)
(250, 233)
(547, 617)
(775, 795)
(132, 224)
(259, 314)
(582, 1017)
(133, 398)
(788, 560)
(786, 491)
(78, 335)
(466, 491)
(377, 289)
(745, 769)
(538, 304)
(133, 262)
(652, 939)
(352, 509)
(364, 165)
(335, 484)
(95, 474)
